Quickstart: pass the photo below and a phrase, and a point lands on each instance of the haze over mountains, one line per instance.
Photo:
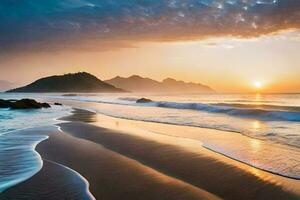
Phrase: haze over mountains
(83, 82)
(137, 83)
(6, 85)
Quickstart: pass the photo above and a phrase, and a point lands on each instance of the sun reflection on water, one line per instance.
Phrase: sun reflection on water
(256, 125)
(258, 99)
(255, 145)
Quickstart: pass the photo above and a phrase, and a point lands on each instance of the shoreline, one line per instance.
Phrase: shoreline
(91, 106)
(87, 184)
(175, 166)
(258, 175)
(265, 170)
(53, 181)
(37, 185)
(206, 136)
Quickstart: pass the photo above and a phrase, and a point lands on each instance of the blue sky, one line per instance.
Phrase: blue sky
(36, 24)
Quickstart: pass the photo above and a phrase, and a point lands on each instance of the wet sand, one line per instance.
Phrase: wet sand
(52, 182)
(120, 165)
(201, 170)
(114, 176)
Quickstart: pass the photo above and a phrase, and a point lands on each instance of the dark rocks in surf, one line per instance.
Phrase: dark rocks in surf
(143, 100)
(28, 104)
(23, 104)
(69, 95)
(57, 104)
(5, 103)
(45, 105)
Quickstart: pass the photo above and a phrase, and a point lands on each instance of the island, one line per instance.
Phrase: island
(81, 82)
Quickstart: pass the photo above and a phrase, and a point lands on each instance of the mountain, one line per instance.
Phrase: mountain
(78, 82)
(140, 84)
(5, 85)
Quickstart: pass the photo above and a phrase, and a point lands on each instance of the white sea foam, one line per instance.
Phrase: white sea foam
(18, 139)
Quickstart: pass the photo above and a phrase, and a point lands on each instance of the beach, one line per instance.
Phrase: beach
(128, 165)
(149, 100)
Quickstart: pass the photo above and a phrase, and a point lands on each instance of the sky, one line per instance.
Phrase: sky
(227, 44)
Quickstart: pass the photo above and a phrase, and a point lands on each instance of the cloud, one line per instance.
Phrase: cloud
(51, 25)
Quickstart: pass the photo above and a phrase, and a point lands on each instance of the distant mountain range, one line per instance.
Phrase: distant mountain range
(140, 84)
(83, 82)
(78, 82)
(5, 85)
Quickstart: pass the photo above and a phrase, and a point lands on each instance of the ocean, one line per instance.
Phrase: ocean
(274, 118)
(271, 120)
(18, 159)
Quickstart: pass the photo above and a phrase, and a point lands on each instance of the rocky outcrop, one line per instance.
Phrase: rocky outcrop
(5, 104)
(23, 104)
(143, 100)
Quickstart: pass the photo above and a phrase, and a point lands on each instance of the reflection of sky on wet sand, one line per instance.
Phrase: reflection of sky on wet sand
(250, 151)
(271, 157)
(260, 154)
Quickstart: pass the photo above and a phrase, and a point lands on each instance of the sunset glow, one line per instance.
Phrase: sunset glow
(149, 99)
(177, 40)
(257, 84)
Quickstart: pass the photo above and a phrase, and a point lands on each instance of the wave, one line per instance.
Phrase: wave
(251, 101)
(247, 111)
(261, 106)
(78, 182)
(268, 165)
(128, 98)
(26, 161)
(267, 112)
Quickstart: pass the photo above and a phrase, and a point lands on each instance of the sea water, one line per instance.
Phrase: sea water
(18, 158)
(268, 117)
(271, 119)
(271, 122)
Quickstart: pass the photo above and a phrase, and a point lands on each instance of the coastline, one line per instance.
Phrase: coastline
(54, 181)
(118, 162)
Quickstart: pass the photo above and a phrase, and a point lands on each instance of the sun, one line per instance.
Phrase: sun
(258, 84)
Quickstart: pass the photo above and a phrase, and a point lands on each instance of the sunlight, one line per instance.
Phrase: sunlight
(255, 145)
(256, 125)
(258, 98)
(258, 84)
